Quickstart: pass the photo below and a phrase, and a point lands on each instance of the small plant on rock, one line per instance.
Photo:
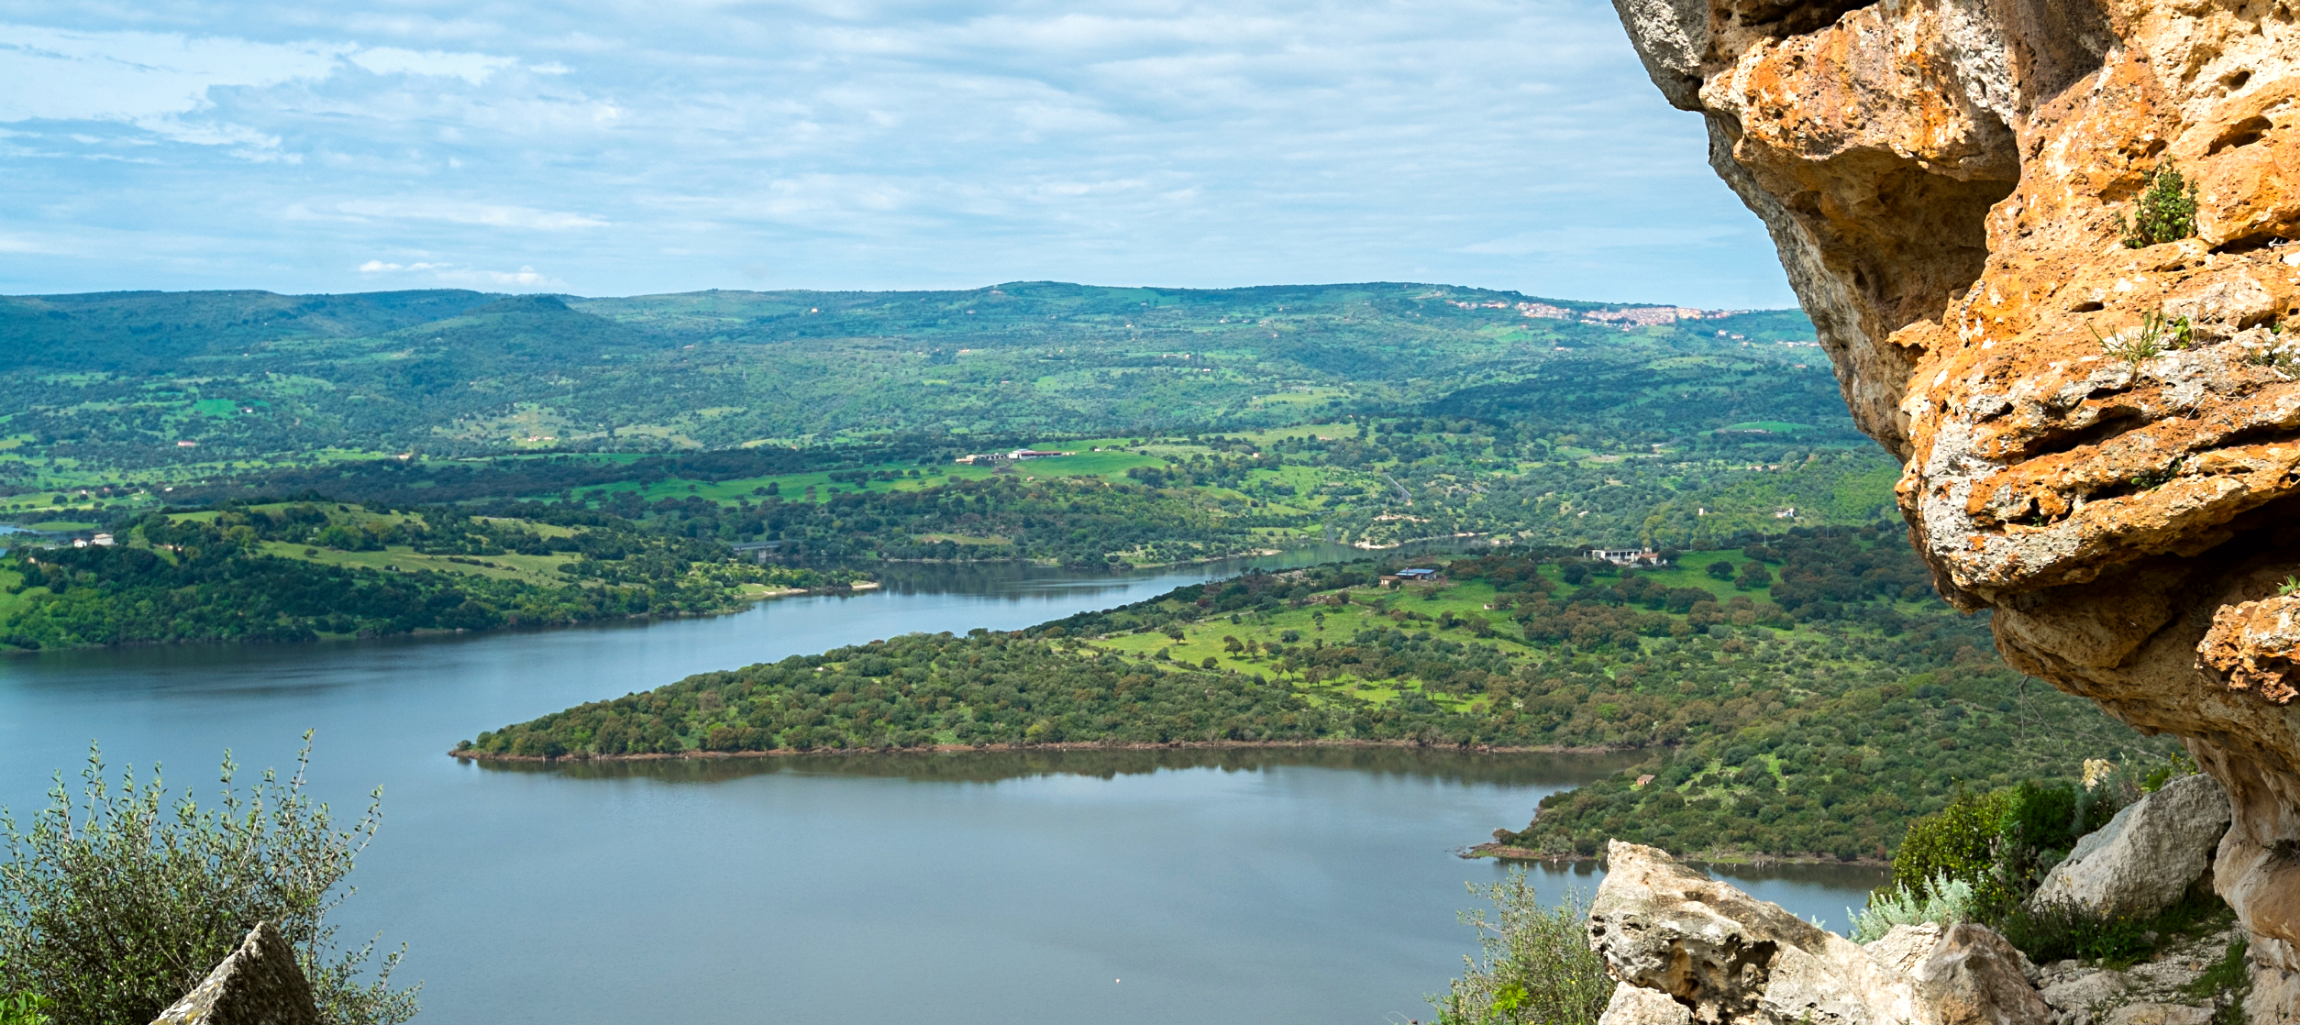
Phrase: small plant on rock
(2167, 209)
(2280, 352)
(2156, 335)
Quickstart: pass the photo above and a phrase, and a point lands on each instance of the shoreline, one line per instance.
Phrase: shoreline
(1173, 745)
(1499, 851)
(740, 605)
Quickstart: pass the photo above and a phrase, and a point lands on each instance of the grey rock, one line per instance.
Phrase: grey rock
(2159, 1014)
(258, 984)
(1636, 1005)
(2083, 993)
(1904, 947)
(2148, 855)
(1975, 977)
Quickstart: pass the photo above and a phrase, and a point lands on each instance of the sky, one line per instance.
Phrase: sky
(619, 147)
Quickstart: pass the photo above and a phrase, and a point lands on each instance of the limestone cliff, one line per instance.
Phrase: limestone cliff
(1947, 182)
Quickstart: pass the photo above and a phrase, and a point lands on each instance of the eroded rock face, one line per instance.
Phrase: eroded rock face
(259, 984)
(1947, 182)
(1723, 957)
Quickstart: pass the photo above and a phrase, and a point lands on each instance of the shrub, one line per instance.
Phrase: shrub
(2166, 211)
(2055, 930)
(1945, 901)
(1533, 963)
(114, 905)
(1957, 842)
(2035, 831)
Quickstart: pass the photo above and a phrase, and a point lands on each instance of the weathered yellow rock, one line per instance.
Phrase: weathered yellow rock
(1948, 182)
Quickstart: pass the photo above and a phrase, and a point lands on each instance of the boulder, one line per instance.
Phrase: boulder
(1636, 1005)
(1729, 958)
(1974, 977)
(259, 984)
(2148, 855)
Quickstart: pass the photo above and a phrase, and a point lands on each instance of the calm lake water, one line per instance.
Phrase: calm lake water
(1119, 887)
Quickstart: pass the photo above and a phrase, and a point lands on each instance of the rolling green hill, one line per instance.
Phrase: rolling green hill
(119, 380)
(1370, 414)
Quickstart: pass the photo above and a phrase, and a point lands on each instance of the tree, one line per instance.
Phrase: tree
(114, 905)
(1753, 575)
(1721, 569)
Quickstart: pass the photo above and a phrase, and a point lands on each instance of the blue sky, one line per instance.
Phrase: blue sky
(612, 147)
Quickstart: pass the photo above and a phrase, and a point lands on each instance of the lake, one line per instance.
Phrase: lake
(1118, 887)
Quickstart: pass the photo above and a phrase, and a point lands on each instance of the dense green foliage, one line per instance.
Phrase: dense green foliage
(116, 901)
(294, 571)
(1839, 776)
(1534, 965)
(1085, 522)
(1791, 748)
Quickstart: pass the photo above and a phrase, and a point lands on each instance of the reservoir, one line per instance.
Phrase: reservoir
(1127, 888)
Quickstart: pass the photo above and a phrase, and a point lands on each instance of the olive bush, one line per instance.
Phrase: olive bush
(116, 901)
(1533, 966)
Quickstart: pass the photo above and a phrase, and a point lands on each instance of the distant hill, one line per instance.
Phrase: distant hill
(155, 331)
(124, 379)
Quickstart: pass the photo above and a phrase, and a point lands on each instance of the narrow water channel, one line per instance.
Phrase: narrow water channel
(1268, 886)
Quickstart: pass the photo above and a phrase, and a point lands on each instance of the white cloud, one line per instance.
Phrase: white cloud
(523, 279)
(164, 83)
(459, 212)
(474, 68)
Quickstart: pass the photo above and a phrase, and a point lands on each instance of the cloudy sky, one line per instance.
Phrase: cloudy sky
(609, 147)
